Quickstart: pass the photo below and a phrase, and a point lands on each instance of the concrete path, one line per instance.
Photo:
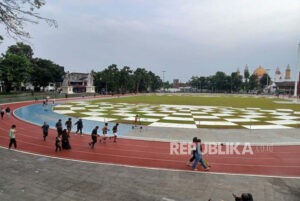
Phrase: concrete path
(275, 136)
(26, 177)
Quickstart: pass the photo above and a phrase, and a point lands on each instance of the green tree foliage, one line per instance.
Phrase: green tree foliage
(20, 49)
(17, 66)
(253, 82)
(265, 80)
(15, 70)
(125, 80)
(44, 72)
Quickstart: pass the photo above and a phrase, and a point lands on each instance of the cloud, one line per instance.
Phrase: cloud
(184, 38)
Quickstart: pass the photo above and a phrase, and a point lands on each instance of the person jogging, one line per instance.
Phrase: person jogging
(115, 132)
(12, 136)
(7, 110)
(79, 126)
(2, 111)
(104, 132)
(94, 137)
(69, 125)
(45, 128)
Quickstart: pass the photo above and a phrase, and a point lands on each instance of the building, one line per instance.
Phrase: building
(177, 84)
(78, 83)
(284, 84)
(259, 72)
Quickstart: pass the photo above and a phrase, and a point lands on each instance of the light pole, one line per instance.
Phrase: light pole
(163, 79)
(297, 72)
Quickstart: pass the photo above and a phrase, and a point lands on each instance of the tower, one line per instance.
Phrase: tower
(278, 77)
(287, 72)
(238, 71)
(297, 72)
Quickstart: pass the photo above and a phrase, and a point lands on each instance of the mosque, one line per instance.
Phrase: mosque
(281, 83)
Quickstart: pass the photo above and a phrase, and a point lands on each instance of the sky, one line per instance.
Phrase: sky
(184, 38)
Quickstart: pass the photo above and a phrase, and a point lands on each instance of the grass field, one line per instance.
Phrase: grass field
(225, 111)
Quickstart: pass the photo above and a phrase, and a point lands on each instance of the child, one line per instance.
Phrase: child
(104, 132)
(57, 144)
(136, 120)
(115, 130)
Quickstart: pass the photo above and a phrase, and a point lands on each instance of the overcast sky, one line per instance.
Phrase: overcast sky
(182, 37)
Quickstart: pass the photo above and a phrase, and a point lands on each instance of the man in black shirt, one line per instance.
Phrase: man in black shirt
(69, 125)
(7, 110)
(59, 127)
(79, 126)
(45, 128)
(94, 137)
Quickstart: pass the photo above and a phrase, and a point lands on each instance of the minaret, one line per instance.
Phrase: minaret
(288, 73)
(277, 75)
(246, 68)
(238, 71)
(297, 72)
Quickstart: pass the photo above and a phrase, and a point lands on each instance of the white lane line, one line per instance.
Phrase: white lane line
(151, 168)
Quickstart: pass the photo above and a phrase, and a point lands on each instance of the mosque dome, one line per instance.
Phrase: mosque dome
(260, 71)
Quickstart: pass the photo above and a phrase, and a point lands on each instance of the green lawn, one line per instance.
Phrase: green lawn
(198, 100)
(222, 100)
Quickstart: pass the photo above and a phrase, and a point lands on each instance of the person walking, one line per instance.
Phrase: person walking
(2, 111)
(104, 132)
(59, 128)
(115, 131)
(12, 136)
(198, 157)
(189, 163)
(7, 110)
(69, 125)
(65, 140)
(57, 144)
(79, 126)
(94, 137)
(45, 128)
(136, 120)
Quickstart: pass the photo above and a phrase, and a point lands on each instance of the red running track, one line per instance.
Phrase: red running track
(281, 161)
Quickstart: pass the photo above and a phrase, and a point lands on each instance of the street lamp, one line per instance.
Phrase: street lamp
(163, 79)
(297, 72)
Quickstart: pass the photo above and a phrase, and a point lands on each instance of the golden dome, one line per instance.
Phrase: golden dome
(260, 71)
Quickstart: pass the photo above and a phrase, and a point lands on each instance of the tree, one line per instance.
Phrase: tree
(126, 79)
(265, 80)
(15, 70)
(253, 82)
(155, 81)
(220, 81)
(139, 77)
(15, 14)
(44, 72)
(20, 49)
(246, 76)
(236, 81)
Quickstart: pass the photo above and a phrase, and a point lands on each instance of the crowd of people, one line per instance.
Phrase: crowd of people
(63, 135)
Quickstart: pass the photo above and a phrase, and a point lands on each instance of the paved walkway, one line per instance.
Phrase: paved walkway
(26, 177)
(275, 137)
